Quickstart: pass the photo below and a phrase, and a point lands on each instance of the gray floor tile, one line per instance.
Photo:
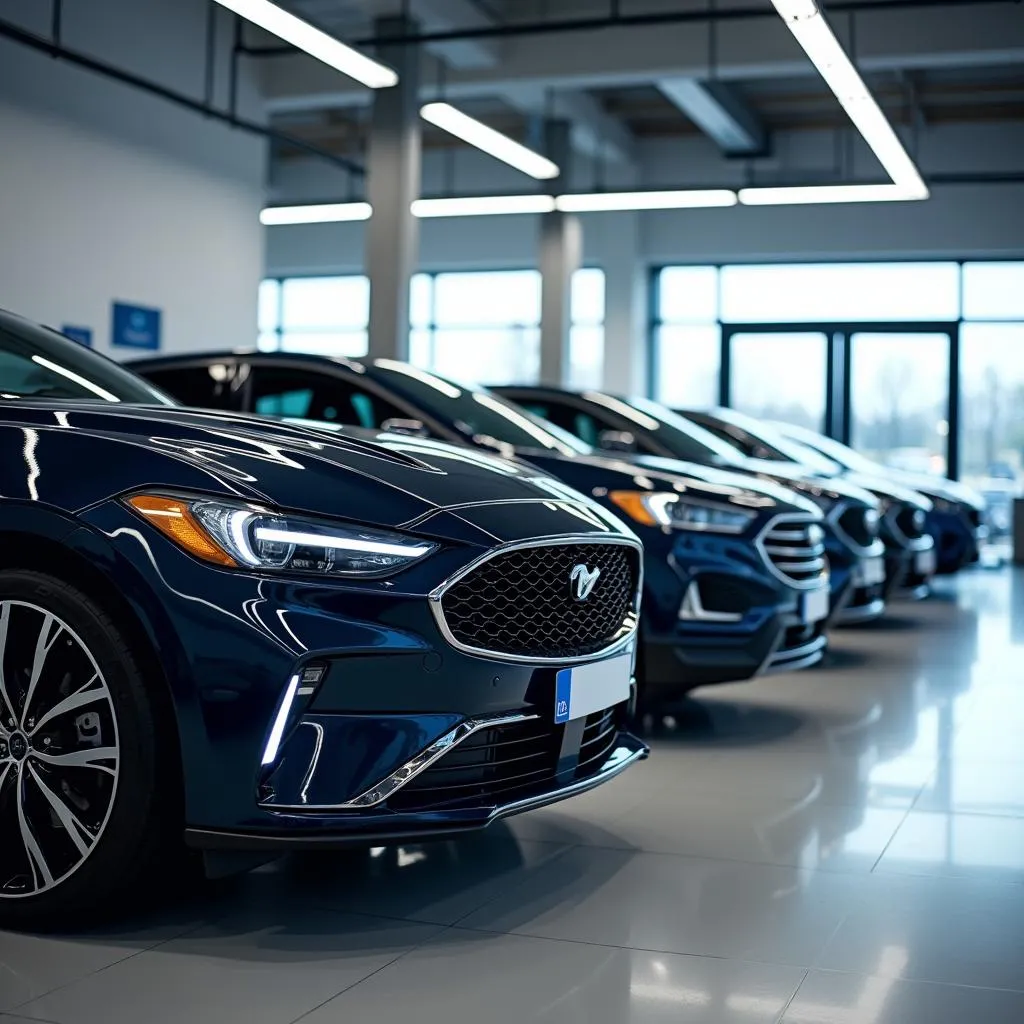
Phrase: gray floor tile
(829, 998)
(506, 979)
(244, 968)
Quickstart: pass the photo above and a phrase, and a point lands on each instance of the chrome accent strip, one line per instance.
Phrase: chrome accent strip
(798, 657)
(761, 543)
(577, 787)
(437, 594)
(811, 551)
(810, 565)
(390, 785)
(692, 608)
(861, 612)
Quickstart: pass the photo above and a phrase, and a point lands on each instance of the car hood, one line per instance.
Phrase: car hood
(809, 483)
(596, 473)
(887, 488)
(937, 487)
(393, 480)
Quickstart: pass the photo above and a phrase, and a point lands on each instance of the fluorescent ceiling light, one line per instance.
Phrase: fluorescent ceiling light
(501, 147)
(480, 206)
(798, 195)
(316, 213)
(677, 199)
(320, 45)
(804, 19)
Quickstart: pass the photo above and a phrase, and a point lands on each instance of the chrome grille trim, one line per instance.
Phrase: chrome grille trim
(436, 597)
(775, 544)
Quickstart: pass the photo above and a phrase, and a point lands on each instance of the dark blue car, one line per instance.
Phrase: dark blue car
(260, 637)
(736, 581)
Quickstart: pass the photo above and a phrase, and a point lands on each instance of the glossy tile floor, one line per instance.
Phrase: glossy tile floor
(834, 846)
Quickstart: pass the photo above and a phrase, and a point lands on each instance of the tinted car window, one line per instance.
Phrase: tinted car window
(580, 424)
(39, 363)
(290, 392)
(474, 411)
(210, 386)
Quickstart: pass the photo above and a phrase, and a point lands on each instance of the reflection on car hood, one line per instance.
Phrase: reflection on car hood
(390, 481)
(652, 473)
(792, 474)
(939, 487)
(893, 489)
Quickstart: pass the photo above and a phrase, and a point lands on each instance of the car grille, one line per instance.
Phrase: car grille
(506, 763)
(794, 550)
(855, 523)
(522, 603)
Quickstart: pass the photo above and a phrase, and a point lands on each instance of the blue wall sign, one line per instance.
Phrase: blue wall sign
(135, 327)
(83, 335)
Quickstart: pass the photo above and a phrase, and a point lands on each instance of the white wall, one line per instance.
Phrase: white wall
(110, 194)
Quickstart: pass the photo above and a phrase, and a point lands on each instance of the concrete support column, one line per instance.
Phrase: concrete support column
(561, 250)
(626, 298)
(393, 182)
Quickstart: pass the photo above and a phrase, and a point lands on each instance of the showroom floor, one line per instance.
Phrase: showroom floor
(838, 846)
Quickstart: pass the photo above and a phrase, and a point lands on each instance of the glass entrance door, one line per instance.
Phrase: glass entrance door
(779, 375)
(899, 398)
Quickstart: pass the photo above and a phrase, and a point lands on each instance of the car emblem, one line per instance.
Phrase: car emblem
(582, 581)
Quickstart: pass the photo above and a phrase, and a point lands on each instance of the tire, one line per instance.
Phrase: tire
(86, 779)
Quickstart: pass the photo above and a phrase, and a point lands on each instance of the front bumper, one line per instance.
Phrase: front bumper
(957, 539)
(858, 584)
(294, 692)
(292, 832)
(715, 613)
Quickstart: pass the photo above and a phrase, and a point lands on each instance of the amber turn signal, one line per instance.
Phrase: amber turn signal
(171, 516)
(634, 505)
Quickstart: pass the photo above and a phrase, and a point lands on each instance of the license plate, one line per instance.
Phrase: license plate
(814, 605)
(872, 571)
(585, 689)
(924, 562)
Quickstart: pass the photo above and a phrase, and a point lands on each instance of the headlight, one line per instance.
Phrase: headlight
(673, 511)
(237, 535)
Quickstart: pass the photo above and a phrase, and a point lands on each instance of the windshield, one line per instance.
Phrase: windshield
(769, 442)
(474, 411)
(36, 362)
(684, 439)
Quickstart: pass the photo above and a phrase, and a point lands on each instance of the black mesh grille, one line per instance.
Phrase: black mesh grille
(524, 602)
(796, 550)
(506, 763)
(855, 524)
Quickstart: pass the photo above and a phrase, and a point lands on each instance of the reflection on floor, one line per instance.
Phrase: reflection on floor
(844, 845)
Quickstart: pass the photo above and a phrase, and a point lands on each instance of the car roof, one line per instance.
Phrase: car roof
(241, 353)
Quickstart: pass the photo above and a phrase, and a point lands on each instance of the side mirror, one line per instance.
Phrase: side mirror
(397, 425)
(616, 441)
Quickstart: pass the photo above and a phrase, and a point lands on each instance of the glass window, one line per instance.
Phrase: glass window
(325, 303)
(688, 294)
(994, 291)
(487, 299)
(687, 365)
(780, 377)
(588, 296)
(840, 291)
(421, 300)
(351, 344)
(586, 354)
(491, 355)
(899, 390)
(269, 307)
(992, 410)
(206, 386)
(283, 391)
(36, 362)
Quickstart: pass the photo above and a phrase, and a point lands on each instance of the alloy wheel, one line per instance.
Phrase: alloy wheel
(59, 750)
